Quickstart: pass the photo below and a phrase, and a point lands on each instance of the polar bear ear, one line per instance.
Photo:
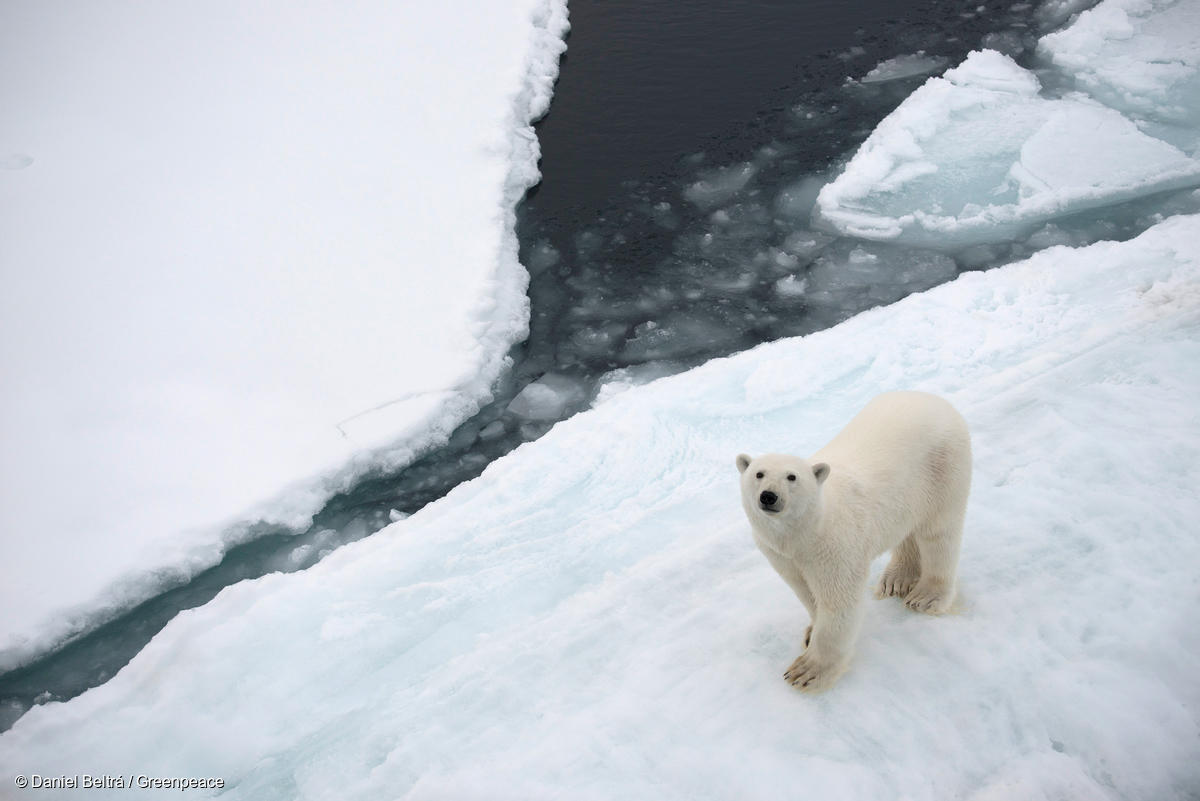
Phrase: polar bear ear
(821, 472)
(743, 461)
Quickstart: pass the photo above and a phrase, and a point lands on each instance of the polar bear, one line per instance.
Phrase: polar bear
(895, 478)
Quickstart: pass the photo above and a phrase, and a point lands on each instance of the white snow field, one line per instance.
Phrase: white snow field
(590, 619)
(248, 250)
(984, 153)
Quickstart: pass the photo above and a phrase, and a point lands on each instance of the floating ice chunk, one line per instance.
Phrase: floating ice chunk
(870, 274)
(308, 549)
(1048, 236)
(10, 711)
(893, 69)
(1139, 56)
(743, 279)
(491, 430)
(790, 286)
(719, 185)
(300, 554)
(542, 256)
(978, 156)
(796, 200)
(1010, 43)
(587, 243)
(783, 259)
(615, 382)
(979, 256)
(664, 216)
(805, 244)
(681, 334)
(551, 397)
(1051, 14)
(592, 341)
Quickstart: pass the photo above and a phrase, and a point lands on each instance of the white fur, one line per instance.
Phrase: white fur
(895, 478)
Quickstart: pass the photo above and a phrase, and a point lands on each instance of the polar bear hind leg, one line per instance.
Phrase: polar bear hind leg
(938, 547)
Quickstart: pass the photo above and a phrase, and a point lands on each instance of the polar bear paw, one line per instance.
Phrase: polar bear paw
(897, 581)
(931, 597)
(812, 674)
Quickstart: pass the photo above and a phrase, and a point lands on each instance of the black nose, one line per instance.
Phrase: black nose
(768, 498)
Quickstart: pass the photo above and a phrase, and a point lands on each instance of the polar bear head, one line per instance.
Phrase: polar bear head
(777, 488)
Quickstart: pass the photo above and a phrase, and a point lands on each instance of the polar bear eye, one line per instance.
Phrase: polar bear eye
(758, 474)
(791, 476)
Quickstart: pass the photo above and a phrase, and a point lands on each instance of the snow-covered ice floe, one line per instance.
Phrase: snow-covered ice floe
(590, 618)
(1140, 57)
(984, 154)
(248, 252)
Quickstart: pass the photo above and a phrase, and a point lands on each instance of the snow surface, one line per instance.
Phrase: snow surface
(248, 251)
(983, 154)
(590, 619)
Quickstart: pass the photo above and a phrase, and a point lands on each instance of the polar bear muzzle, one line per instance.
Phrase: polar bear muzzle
(769, 502)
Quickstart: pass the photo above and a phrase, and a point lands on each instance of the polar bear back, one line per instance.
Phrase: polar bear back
(906, 459)
(894, 427)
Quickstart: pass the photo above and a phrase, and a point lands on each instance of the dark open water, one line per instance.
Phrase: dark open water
(683, 143)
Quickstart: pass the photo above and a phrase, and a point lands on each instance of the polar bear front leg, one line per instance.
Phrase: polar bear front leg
(903, 571)
(830, 646)
(787, 570)
(806, 597)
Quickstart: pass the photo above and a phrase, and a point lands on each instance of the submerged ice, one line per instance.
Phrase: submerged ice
(551, 397)
(852, 276)
(894, 69)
